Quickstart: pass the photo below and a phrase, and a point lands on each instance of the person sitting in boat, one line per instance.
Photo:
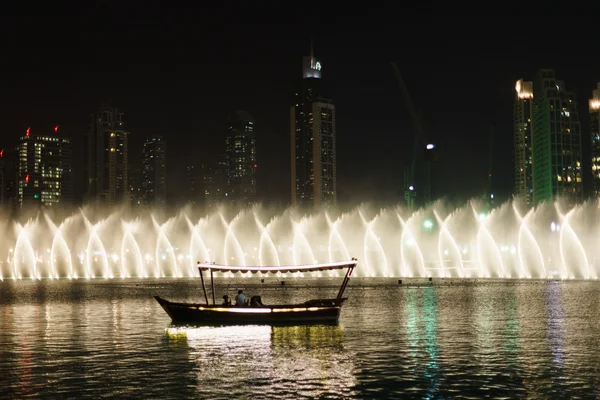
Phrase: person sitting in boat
(240, 299)
(256, 301)
(226, 301)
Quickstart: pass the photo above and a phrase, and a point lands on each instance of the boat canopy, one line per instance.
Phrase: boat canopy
(282, 268)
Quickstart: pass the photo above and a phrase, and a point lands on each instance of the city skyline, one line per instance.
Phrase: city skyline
(196, 93)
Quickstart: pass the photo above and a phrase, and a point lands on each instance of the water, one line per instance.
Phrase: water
(551, 241)
(97, 339)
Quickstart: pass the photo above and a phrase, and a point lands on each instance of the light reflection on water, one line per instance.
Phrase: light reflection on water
(278, 361)
(99, 339)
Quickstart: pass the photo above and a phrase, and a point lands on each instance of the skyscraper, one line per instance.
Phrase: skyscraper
(556, 140)
(8, 181)
(313, 135)
(193, 182)
(594, 107)
(3, 181)
(240, 159)
(523, 156)
(134, 177)
(107, 164)
(154, 171)
(214, 183)
(44, 173)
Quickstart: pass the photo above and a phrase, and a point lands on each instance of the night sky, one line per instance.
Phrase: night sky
(180, 72)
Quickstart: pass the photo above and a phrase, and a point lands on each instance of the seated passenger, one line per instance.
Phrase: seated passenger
(226, 301)
(240, 299)
(256, 301)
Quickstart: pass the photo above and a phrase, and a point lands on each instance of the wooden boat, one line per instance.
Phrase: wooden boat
(310, 311)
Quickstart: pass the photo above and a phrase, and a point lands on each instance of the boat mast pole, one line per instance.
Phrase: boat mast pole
(203, 287)
(212, 286)
(345, 282)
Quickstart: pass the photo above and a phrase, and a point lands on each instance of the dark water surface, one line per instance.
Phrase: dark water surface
(98, 339)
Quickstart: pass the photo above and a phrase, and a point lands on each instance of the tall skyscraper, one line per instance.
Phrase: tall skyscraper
(8, 181)
(594, 108)
(240, 159)
(214, 183)
(193, 182)
(313, 135)
(556, 141)
(44, 171)
(134, 177)
(523, 156)
(154, 171)
(107, 164)
(3, 181)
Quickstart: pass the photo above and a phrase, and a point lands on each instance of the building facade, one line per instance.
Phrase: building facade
(594, 108)
(523, 155)
(313, 137)
(44, 169)
(154, 171)
(107, 164)
(194, 182)
(134, 177)
(240, 159)
(3, 181)
(8, 179)
(215, 184)
(557, 153)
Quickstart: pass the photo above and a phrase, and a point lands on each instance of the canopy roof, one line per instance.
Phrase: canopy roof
(282, 269)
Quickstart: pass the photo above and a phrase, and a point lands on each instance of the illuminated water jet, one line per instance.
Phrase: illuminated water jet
(439, 241)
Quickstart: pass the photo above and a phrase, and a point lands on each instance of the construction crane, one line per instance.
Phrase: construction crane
(420, 143)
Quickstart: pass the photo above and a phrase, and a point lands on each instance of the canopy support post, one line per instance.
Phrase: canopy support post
(212, 286)
(203, 286)
(345, 282)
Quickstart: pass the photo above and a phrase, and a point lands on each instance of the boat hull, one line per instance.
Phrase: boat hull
(313, 311)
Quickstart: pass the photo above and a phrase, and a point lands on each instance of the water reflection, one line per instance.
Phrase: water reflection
(94, 340)
(433, 371)
(269, 361)
(555, 315)
(555, 335)
(512, 330)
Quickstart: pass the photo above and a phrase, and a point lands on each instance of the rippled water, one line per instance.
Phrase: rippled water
(105, 339)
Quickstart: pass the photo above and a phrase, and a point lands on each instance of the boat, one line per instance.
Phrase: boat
(310, 311)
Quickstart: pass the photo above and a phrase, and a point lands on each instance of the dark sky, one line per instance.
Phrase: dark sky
(180, 72)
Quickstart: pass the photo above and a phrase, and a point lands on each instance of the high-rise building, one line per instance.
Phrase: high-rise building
(313, 135)
(556, 141)
(523, 156)
(2, 179)
(594, 108)
(240, 159)
(134, 177)
(194, 182)
(107, 164)
(214, 183)
(154, 171)
(44, 171)
(8, 172)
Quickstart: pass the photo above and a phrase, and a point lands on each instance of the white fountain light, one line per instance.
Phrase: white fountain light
(544, 244)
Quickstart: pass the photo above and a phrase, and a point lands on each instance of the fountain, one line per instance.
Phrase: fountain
(511, 241)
